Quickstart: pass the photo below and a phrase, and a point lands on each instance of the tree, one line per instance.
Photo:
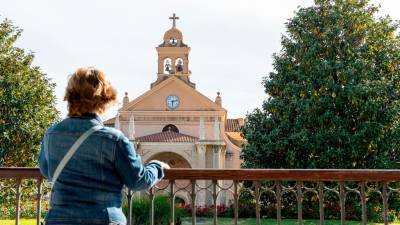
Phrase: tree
(26, 101)
(334, 94)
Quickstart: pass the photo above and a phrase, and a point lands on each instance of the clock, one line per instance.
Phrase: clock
(172, 101)
(173, 41)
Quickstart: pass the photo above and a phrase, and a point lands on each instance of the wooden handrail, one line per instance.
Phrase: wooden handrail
(285, 174)
(248, 174)
(236, 176)
(20, 172)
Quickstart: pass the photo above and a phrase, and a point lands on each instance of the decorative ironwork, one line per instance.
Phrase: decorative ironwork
(213, 187)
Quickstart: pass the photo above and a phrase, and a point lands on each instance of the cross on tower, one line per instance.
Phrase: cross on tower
(174, 18)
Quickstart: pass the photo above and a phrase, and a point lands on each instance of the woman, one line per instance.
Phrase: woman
(88, 188)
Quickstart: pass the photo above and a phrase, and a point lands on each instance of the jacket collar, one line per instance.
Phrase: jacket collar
(88, 115)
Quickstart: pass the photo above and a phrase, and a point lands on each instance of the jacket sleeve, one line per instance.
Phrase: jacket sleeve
(129, 165)
(43, 160)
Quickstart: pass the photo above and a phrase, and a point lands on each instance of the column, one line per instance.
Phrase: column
(217, 128)
(202, 130)
(201, 155)
(216, 156)
(160, 64)
(131, 130)
(201, 198)
(217, 165)
(116, 123)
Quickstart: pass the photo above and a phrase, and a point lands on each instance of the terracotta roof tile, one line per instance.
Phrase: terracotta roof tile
(167, 136)
(236, 138)
(232, 125)
(109, 121)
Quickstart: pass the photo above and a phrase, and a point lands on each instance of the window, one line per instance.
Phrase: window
(167, 66)
(170, 127)
(179, 65)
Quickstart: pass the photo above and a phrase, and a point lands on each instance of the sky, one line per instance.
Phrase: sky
(232, 42)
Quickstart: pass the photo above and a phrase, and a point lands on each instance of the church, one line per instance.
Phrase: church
(175, 123)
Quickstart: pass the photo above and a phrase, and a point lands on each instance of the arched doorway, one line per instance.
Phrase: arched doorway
(182, 187)
(174, 160)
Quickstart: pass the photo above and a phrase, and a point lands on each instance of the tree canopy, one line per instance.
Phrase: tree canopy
(26, 101)
(334, 94)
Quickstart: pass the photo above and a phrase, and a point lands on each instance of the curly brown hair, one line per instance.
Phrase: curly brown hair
(88, 91)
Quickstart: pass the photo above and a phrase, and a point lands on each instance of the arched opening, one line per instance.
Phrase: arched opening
(180, 201)
(167, 66)
(174, 160)
(179, 65)
(170, 127)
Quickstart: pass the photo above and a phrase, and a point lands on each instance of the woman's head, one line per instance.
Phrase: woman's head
(88, 91)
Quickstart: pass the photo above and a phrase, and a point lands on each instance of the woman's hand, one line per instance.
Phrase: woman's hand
(162, 164)
(165, 166)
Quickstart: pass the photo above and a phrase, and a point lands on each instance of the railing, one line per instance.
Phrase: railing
(214, 187)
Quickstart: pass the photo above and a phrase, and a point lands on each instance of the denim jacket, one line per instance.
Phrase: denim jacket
(88, 189)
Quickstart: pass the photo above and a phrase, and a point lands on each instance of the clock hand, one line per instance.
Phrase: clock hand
(172, 103)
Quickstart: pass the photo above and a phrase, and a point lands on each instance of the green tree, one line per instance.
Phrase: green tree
(334, 94)
(26, 101)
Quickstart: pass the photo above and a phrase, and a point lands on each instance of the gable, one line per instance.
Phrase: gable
(167, 136)
(155, 99)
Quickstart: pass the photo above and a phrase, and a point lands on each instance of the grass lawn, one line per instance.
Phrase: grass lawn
(225, 221)
(251, 221)
(21, 222)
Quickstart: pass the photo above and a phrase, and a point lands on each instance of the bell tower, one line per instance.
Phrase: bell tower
(173, 56)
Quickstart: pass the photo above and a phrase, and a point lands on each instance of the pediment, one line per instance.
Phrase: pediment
(189, 98)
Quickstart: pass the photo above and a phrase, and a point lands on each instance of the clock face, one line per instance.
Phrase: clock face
(172, 101)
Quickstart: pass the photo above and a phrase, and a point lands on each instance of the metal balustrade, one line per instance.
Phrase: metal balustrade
(216, 186)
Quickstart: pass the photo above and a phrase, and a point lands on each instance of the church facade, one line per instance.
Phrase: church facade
(175, 123)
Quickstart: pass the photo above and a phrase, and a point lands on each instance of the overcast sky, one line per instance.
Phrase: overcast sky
(231, 42)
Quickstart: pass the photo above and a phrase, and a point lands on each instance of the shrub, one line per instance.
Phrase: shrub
(208, 210)
(141, 210)
(28, 202)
